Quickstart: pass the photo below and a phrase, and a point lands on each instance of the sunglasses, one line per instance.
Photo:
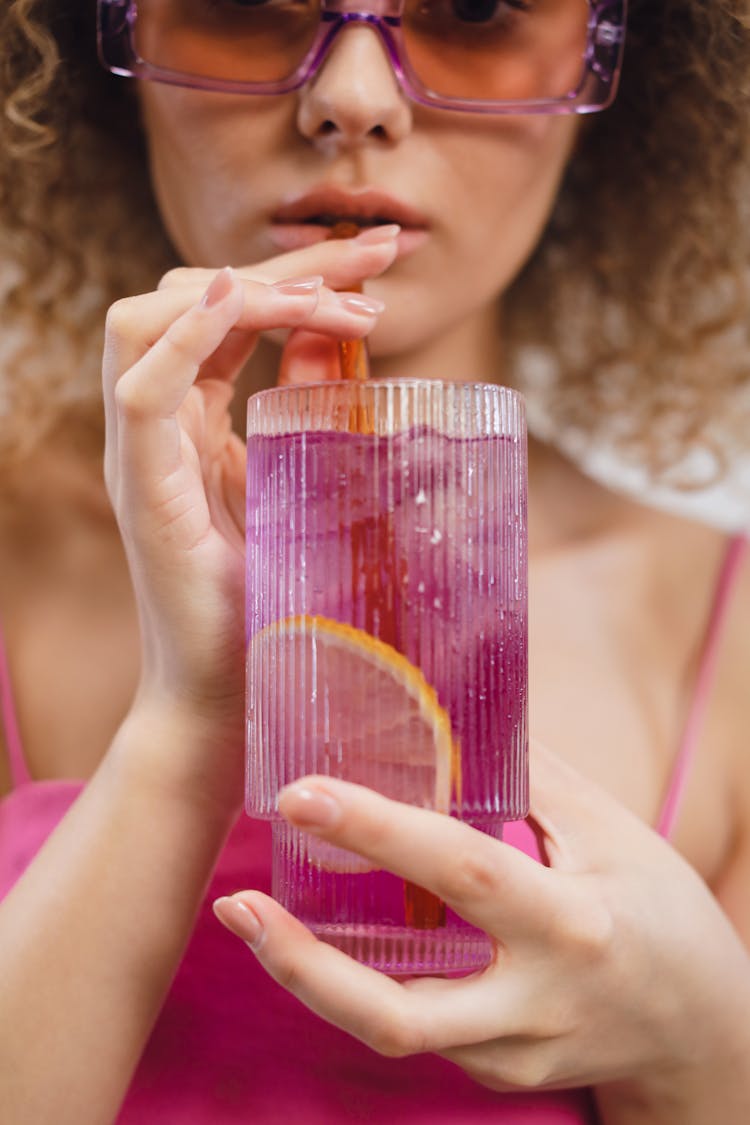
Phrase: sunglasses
(477, 56)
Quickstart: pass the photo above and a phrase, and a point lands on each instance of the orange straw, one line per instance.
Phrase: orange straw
(355, 362)
(422, 909)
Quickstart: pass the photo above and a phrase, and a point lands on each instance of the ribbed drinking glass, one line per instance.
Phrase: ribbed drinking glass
(387, 636)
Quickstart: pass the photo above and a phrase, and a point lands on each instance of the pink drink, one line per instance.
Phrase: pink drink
(416, 538)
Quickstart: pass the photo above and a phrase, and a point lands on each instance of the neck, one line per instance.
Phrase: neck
(568, 506)
(469, 351)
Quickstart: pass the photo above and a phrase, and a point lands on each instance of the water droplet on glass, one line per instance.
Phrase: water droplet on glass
(421, 497)
(436, 537)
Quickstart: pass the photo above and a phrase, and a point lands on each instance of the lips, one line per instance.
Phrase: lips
(326, 206)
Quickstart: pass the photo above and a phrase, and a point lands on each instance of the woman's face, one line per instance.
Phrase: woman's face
(473, 193)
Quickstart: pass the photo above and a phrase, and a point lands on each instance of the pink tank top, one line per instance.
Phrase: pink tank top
(231, 1046)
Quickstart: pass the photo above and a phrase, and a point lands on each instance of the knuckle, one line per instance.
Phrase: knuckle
(129, 401)
(288, 976)
(180, 275)
(586, 930)
(119, 317)
(367, 833)
(394, 1038)
(528, 1068)
(475, 875)
(179, 339)
(547, 1019)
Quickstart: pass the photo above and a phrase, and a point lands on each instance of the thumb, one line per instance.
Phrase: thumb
(308, 357)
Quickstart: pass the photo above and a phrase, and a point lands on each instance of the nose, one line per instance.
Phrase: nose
(354, 100)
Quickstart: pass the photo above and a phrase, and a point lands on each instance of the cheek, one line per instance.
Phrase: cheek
(498, 187)
(188, 195)
(511, 190)
(206, 152)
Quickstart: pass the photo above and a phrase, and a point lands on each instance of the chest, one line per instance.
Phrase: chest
(612, 671)
(72, 637)
(614, 665)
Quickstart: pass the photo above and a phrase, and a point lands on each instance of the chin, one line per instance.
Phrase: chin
(405, 330)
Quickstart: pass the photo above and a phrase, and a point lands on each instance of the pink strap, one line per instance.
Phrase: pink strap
(18, 769)
(704, 682)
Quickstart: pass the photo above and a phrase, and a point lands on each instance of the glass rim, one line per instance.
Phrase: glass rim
(601, 62)
(388, 407)
(389, 382)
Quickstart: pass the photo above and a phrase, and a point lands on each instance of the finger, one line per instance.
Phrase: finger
(391, 1018)
(142, 339)
(309, 357)
(149, 394)
(216, 378)
(136, 324)
(234, 490)
(167, 371)
(488, 883)
(230, 357)
(147, 397)
(343, 263)
(328, 982)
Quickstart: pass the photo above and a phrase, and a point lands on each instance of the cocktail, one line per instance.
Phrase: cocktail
(387, 636)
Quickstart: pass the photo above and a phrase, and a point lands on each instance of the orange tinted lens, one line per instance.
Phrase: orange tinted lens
(497, 50)
(263, 41)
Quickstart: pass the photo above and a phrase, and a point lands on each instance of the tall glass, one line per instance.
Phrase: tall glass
(387, 636)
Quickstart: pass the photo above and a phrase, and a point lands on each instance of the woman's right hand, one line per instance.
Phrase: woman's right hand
(93, 931)
(175, 471)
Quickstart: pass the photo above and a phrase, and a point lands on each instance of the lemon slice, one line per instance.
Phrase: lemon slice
(355, 708)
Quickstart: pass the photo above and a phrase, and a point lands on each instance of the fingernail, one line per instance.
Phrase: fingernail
(371, 236)
(308, 808)
(219, 288)
(362, 306)
(298, 286)
(237, 916)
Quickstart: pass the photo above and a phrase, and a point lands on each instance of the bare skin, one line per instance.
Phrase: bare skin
(616, 547)
(608, 695)
(588, 556)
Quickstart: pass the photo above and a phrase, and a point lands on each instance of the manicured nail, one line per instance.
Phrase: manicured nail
(220, 287)
(237, 916)
(362, 306)
(371, 236)
(308, 808)
(298, 286)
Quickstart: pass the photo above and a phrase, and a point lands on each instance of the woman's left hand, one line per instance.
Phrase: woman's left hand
(614, 966)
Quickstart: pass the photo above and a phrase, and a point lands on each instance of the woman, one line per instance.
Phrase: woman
(618, 245)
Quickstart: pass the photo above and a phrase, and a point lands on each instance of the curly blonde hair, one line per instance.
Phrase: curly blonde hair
(635, 304)
(78, 224)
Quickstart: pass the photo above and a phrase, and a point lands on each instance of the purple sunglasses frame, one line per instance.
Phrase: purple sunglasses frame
(602, 61)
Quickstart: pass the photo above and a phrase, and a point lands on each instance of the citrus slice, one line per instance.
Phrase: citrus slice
(332, 699)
